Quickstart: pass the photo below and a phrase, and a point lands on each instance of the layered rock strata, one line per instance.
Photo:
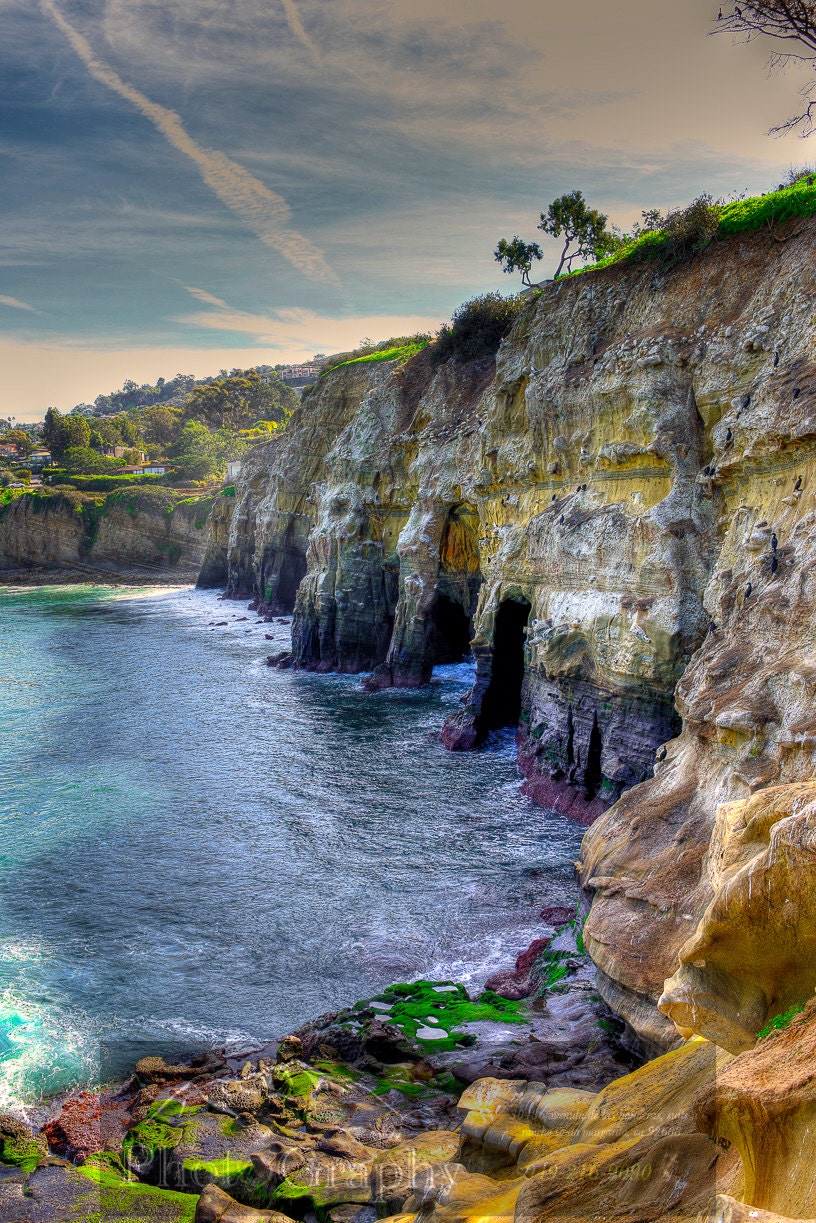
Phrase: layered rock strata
(156, 535)
(625, 501)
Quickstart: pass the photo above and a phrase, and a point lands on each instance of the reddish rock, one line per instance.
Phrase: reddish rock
(89, 1122)
(516, 984)
(556, 915)
(560, 796)
(459, 732)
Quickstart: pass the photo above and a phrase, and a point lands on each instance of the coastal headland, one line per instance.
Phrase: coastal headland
(616, 515)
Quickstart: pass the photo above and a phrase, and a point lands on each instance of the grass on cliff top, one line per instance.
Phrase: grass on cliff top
(398, 348)
(798, 199)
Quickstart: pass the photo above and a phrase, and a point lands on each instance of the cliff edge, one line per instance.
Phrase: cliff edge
(617, 518)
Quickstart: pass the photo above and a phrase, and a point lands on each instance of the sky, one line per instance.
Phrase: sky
(189, 185)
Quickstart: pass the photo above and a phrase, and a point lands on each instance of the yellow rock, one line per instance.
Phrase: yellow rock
(753, 955)
(764, 1103)
(658, 1094)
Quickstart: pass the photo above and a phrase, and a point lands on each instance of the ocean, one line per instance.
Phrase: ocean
(197, 849)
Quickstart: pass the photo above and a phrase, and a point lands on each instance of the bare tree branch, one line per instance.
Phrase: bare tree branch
(789, 22)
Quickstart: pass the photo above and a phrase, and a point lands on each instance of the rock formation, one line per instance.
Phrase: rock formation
(624, 502)
(619, 520)
(150, 534)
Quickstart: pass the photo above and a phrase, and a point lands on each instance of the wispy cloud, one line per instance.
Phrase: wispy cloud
(15, 303)
(298, 29)
(264, 212)
(207, 298)
(298, 331)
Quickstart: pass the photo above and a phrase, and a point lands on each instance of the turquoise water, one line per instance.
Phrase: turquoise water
(196, 848)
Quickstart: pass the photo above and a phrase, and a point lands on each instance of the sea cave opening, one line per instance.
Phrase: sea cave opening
(292, 573)
(501, 705)
(593, 773)
(450, 632)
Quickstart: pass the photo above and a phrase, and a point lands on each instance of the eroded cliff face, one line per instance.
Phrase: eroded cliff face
(746, 699)
(159, 534)
(624, 501)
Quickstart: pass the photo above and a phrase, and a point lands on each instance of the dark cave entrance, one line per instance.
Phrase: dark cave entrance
(450, 631)
(292, 573)
(501, 705)
(593, 774)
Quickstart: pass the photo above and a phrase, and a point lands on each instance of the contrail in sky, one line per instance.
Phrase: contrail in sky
(298, 29)
(15, 303)
(265, 213)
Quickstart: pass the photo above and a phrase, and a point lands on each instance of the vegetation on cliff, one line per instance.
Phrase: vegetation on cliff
(397, 348)
(476, 329)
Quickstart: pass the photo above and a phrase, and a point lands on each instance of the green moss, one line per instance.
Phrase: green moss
(132, 1202)
(413, 1005)
(780, 1022)
(151, 1135)
(395, 1078)
(338, 1070)
(172, 1108)
(24, 1150)
(296, 1080)
(222, 1168)
(228, 491)
(290, 1191)
(161, 1130)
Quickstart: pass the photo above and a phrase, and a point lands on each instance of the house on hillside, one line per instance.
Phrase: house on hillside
(38, 459)
(9, 450)
(233, 469)
(155, 468)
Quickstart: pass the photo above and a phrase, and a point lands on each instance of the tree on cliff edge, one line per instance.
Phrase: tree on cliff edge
(60, 433)
(517, 256)
(790, 25)
(582, 228)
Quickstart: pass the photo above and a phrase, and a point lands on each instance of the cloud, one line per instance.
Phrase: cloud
(265, 213)
(297, 28)
(296, 331)
(203, 296)
(15, 303)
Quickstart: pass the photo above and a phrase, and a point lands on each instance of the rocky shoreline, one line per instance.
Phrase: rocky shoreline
(334, 1122)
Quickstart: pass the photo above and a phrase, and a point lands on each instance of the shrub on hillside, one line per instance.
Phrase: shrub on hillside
(477, 328)
(99, 484)
(681, 234)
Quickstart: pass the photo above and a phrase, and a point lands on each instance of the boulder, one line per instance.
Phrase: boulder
(516, 984)
(216, 1206)
(19, 1145)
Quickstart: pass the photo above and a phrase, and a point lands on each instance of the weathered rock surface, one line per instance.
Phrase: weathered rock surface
(556, 515)
(753, 955)
(155, 534)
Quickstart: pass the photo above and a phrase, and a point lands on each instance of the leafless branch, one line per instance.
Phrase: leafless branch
(789, 22)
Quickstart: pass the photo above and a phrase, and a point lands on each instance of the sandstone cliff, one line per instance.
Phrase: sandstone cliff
(624, 501)
(154, 534)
